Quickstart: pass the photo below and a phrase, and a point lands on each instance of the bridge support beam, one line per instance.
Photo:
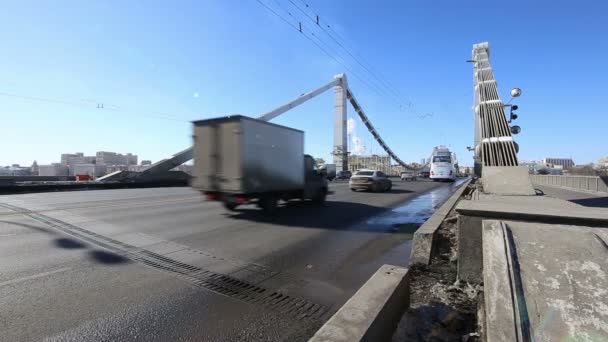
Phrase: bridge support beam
(340, 151)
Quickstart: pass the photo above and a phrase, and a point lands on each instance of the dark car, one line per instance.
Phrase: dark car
(343, 175)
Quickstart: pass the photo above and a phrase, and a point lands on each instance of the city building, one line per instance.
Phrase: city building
(66, 156)
(72, 162)
(465, 169)
(374, 162)
(566, 163)
(15, 170)
(146, 162)
(55, 169)
(396, 170)
(113, 158)
(34, 168)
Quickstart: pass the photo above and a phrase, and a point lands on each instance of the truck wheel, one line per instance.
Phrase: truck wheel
(268, 203)
(230, 206)
(321, 196)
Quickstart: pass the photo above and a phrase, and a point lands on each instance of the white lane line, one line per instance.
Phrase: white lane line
(35, 276)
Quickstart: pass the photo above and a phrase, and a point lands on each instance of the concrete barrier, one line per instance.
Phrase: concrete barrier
(424, 237)
(373, 313)
(582, 183)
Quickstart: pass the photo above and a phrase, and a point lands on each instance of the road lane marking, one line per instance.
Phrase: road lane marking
(34, 276)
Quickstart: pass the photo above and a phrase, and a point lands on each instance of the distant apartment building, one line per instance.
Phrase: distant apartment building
(72, 162)
(565, 163)
(65, 157)
(146, 162)
(113, 158)
(374, 162)
(55, 169)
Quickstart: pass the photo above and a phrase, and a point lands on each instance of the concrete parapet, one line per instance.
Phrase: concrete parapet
(507, 180)
(593, 184)
(373, 313)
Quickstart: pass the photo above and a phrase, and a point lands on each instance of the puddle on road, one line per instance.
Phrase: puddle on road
(401, 223)
(415, 212)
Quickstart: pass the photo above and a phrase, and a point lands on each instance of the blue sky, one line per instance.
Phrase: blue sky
(156, 65)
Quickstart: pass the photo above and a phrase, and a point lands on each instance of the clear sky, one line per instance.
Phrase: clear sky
(156, 65)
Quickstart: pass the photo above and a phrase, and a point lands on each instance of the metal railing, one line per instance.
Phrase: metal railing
(586, 183)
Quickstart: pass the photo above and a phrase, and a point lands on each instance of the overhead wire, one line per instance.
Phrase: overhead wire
(99, 106)
(360, 60)
(324, 50)
(300, 28)
(316, 22)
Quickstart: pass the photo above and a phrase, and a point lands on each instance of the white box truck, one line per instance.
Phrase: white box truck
(238, 160)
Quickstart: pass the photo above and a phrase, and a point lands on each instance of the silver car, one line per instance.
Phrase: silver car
(370, 180)
(408, 175)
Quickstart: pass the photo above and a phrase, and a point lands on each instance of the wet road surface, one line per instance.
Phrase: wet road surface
(162, 264)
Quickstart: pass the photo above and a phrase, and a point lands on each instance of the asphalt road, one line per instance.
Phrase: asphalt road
(163, 264)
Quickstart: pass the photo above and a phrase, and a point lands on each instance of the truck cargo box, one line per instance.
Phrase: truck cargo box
(238, 154)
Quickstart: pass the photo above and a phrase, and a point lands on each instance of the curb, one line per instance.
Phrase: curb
(424, 237)
(371, 314)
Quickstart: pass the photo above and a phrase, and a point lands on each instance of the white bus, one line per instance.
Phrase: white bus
(442, 165)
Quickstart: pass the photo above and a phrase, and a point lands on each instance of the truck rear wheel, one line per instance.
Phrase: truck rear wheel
(321, 196)
(268, 203)
(230, 206)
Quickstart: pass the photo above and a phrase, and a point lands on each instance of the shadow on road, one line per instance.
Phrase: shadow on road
(69, 243)
(392, 191)
(400, 191)
(107, 257)
(597, 202)
(331, 215)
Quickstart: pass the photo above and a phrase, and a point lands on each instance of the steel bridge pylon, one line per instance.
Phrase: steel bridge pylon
(342, 95)
(340, 149)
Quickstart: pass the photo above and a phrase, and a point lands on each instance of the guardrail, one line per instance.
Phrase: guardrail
(585, 183)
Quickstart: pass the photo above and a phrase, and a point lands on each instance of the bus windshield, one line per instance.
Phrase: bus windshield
(442, 159)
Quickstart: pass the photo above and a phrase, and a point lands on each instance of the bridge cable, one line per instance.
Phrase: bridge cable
(297, 28)
(361, 61)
